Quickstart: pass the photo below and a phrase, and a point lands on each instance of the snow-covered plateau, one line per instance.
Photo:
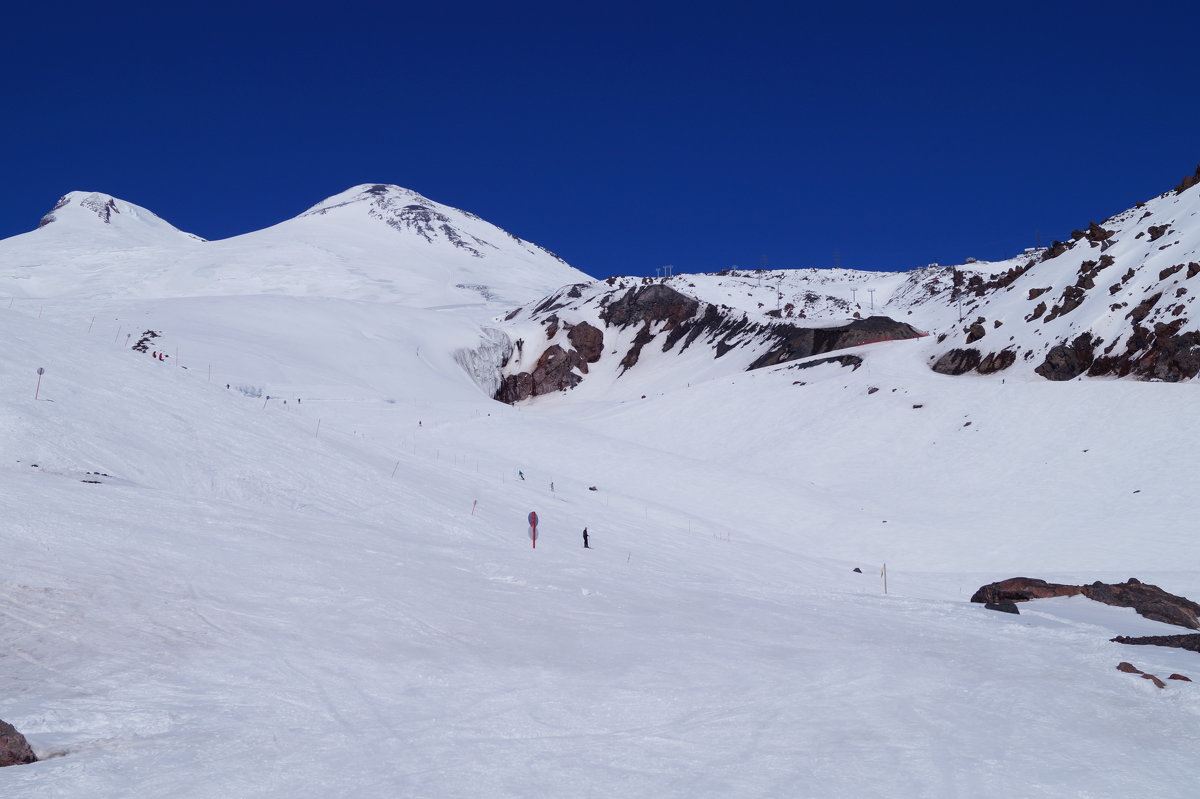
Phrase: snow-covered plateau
(266, 529)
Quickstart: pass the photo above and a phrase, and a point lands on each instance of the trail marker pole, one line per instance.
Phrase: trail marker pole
(38, 390)
(118, 335)
(319, 431)
(394, 468)
(533, 520)
(474, 502)
(883, 573)
(90, 325)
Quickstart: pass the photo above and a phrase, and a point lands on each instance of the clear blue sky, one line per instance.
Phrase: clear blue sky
(622, 136)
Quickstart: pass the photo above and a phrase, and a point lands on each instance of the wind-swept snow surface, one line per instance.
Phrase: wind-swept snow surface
(319, 582)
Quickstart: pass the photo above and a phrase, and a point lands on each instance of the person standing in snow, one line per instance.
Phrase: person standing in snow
(585, 539)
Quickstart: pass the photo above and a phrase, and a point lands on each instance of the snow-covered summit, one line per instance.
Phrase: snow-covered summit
(372, 242)
(79, 211)
(406, 211)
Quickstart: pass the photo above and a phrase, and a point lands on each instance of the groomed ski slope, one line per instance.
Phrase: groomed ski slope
(247, 605)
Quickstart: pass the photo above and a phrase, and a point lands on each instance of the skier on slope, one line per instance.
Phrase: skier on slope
(585, 539)
(521, 474)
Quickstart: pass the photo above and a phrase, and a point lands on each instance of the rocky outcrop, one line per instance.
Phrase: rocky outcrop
(653, 303)
(800, 342)
(555, 371)
(588, 341)
(14, 749)
(1022, 589)
(653, 314)
(958, 361)
(1190, 642)
(1149, 601)
(852, 361)
(1068, 361)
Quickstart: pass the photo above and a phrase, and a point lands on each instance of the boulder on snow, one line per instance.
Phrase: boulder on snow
(1148, 600)
(1179, 677)
(1128, 668)
(1003, 607)
(14, 749)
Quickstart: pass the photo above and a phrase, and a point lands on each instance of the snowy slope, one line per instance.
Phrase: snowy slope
(209, 593)
(247, 605)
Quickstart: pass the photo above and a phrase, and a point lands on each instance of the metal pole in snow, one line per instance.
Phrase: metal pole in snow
(118, 334)
(38, 390)
(883, 571)
(394, 468)
(91, 323)
(318, 429)
(474, 502)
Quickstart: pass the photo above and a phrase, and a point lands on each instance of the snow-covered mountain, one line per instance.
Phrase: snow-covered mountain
(1114, 300)
(371, 242)
(293, 558)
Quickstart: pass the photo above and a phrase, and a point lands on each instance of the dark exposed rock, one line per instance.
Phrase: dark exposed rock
(1170, 270)
(1148, 600)
(800, 342)
(997, 362)
(1003, 607)
(1159, 354)
(853, 361)
(1128, 668)
(1037, 312)
(1072, 298)
(642, 338)
(1157, 231)
(1190, 641)
(554, 372)
(652, 303)
(975, 332)
(958, 361)
(588, 340)
(1154, 680)
(1021, 589)
(14, 749)
(1035, 293)
(1067, 361)
(1179, 677)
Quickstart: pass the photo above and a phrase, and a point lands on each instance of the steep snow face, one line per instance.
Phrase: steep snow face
(373, 242)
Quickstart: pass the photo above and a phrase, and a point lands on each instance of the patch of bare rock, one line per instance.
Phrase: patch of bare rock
(14, 749)
(1148, 600)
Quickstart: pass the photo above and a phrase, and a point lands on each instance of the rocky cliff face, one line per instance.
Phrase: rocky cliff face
(616, 323)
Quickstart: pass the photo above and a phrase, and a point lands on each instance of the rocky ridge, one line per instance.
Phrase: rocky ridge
(615, 322)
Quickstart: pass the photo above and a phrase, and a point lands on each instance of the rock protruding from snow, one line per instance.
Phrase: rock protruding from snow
(1149, 601)
(14, 749)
